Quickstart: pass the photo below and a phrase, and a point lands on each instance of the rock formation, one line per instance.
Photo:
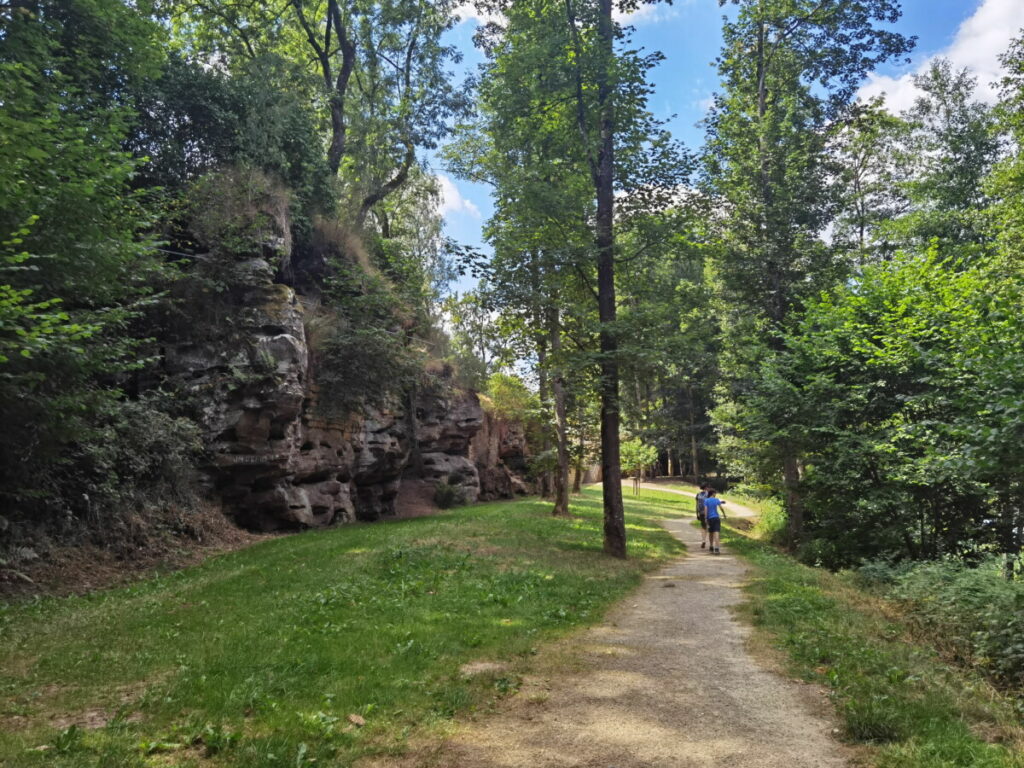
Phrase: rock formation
(274, 460)
(499, 451)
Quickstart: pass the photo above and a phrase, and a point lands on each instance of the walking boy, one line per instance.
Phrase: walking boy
(714, 514)
(702, 517)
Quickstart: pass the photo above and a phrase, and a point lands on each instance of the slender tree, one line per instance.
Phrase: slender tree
(565, 128)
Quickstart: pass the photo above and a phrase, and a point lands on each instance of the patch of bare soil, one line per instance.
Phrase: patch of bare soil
(46, 706)
(475, 668)
(665, 682)
(415, 499)
(67, 570)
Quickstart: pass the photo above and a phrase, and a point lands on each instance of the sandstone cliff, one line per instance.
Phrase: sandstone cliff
(273, 458)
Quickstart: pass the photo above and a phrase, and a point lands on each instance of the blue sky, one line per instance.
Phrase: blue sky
(969, 32)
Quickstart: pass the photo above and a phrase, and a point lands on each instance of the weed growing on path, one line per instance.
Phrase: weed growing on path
(313, 649)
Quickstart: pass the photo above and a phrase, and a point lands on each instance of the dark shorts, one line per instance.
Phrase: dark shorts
(703, 520)
(714, 524)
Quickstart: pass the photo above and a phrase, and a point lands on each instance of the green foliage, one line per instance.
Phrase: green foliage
(194, 119)
(901, 388)
(29, 327)
(1006, 183)
(790, 69)
(448, 495)
(508, 397)
(239, 212)
(473, 338)
(368, 620)
(375, 74)
(77, 272)
(973, 614)
(894, 696)
(949, 148)
(364, 357)
(636, 456)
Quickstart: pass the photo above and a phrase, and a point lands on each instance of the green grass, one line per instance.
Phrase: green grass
(894, 695)
(257, 658)
(771, 518)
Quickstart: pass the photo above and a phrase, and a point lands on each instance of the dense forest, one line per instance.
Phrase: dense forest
(221, 249)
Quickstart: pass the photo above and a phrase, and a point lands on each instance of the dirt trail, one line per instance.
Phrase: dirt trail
(664, 682)
(732, 509)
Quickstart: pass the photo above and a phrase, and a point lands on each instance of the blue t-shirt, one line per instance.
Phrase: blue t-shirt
(711, 505)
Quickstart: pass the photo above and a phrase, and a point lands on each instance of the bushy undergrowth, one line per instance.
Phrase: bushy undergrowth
(134, 457)
(973, 614)
(448, 495)
(771, 517)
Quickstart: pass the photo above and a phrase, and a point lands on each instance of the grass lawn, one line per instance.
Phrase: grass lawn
(893, 695)
(312, 649)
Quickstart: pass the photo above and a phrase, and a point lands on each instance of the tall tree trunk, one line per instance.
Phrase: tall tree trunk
(561, 478)
(794, 502)
(614, 514)
(338, 87)
(602, 175)
(694, 452)
(543, 389)
(577, 480)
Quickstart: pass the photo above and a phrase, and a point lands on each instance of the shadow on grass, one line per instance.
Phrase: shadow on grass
(258, 657)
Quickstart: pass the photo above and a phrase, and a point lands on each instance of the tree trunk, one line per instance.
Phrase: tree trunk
(694, 454)
(385, 189)
(578, 479)
(561, 478)
(794, 503)
(544, 478)
(614, 514)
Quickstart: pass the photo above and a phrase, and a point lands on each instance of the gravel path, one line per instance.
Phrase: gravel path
(664, 682)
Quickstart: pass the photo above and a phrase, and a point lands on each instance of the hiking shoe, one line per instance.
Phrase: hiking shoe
(718, 551)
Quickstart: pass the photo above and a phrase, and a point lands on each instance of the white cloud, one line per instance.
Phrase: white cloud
(450, 200)
(978, 43)
(469, 12)
(646, 14)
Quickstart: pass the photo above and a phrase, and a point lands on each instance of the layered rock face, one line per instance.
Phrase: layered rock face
(277, 463)
(499, 451)
(274, 460)
(445, 426)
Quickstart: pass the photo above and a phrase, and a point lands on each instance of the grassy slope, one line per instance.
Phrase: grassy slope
(892, 694)
(257, 658)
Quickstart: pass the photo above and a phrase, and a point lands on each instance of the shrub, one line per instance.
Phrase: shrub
(974, 614)
(448, 495)
(880, 573)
